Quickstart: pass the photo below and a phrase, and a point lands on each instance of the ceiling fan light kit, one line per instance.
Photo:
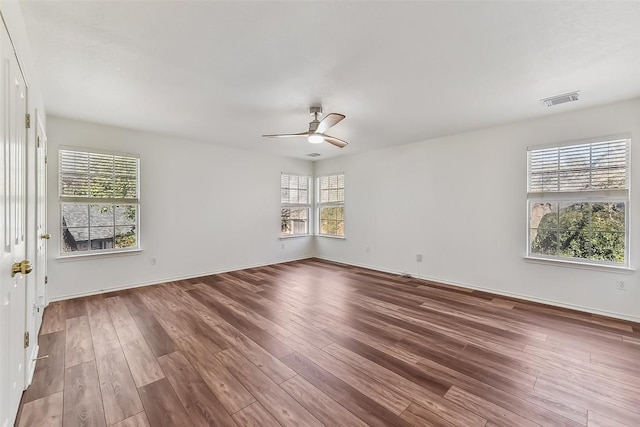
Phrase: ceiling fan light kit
(315, 138)
(317, 128)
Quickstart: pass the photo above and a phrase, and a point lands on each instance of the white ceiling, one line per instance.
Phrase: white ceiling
(228, 72)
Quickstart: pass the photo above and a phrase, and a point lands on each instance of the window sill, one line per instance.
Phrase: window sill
(580, 265)
(331, 237)
(97, 255)
(294, 236)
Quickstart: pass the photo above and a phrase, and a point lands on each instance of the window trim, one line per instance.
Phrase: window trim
(591, 140)
(92, 253)
(319, 205)
(579, 264)
(588, 196)
(307, 205)
(98, 255)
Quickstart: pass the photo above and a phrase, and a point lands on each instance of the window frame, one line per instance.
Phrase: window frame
(307, 206)
(88, 200)
(319, 205)
(591, 196)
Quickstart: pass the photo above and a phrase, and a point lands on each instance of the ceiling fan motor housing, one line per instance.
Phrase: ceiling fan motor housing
(314, 111)
(317, 109)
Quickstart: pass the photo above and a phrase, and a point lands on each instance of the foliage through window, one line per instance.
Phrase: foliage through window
(99, 202)
(331, 205)
(578, 196)
(294, 204)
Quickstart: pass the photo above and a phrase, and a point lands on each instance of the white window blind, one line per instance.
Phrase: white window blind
(294, 189)
(582, 167)
(331, 188)
(95, 175)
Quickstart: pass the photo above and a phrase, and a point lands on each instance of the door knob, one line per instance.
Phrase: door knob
(45, 236)
(23, 267)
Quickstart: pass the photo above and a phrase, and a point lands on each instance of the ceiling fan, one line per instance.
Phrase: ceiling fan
(317, 128)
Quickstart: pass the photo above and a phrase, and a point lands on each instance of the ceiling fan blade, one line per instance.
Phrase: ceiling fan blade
(335, 141)
(329, 121)
(286, 135)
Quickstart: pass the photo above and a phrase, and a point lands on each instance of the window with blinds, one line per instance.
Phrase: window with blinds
(295, 204)
(331, 205)
(99, 202)
(578, 197)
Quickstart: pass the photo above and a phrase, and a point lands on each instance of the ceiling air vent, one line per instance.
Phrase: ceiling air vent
(561, 99)
(314, 154)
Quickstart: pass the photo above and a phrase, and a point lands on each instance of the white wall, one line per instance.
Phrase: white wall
(460, 201)
(12, 14)
(204, 208)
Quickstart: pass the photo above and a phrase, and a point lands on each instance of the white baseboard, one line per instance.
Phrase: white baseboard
(499, 292)
(165, 280)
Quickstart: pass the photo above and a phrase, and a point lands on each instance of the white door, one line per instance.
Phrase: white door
(13, 217)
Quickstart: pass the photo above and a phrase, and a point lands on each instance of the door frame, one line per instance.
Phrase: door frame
(36, 299)
(41, 206)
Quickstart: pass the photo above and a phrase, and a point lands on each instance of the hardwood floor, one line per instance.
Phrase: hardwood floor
(312, 343)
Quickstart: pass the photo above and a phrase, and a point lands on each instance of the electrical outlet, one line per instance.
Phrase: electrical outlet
(621, 285)
(419, 257)
(154, 261)
(366, 248)
(282, 246)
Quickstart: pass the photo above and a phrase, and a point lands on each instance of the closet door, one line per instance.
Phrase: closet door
(13, 266)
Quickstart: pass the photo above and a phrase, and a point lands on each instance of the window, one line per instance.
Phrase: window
(99, 202)
(578, 198)
(331, 205)
(295, 205)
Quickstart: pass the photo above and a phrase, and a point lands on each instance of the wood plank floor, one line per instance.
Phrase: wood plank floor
(312, 343)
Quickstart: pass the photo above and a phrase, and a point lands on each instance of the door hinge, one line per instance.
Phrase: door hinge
(46, 279)
(27, 120)
(46, 159)
(26, 339)
(38, 139)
